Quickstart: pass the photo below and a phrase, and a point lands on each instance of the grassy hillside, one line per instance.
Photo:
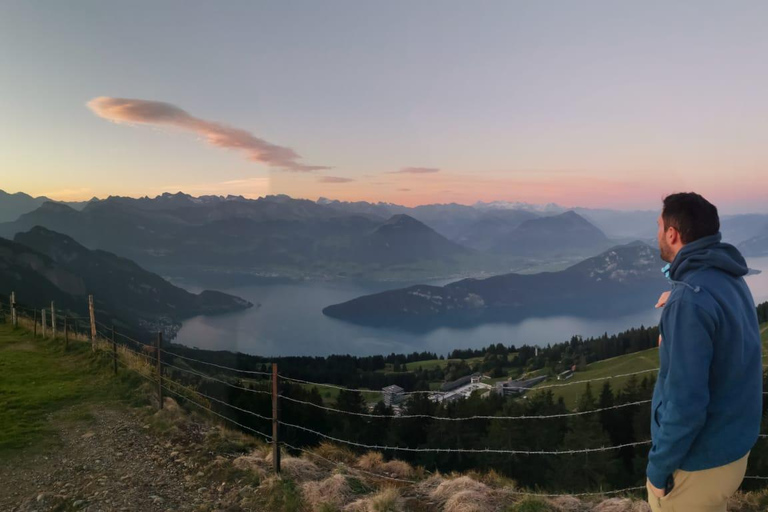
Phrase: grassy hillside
(39, 379)
(630, 363)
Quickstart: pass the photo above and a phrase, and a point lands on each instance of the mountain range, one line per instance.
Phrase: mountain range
(14, 205)
(42, 266)
(240, 238)
(181, 234)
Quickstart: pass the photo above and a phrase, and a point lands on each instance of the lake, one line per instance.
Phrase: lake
(290, 322)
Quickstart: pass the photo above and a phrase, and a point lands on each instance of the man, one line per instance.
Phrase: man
(707, 403)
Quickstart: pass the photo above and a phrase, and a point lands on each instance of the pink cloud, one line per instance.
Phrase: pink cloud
(403, 190)
(334, 179)
(125, 110)
(416, 170)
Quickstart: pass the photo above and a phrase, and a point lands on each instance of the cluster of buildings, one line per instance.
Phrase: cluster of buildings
(517, 387)
(394, 395)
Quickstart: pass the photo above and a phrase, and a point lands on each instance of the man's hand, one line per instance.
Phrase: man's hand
(659, 493)
(662, 300)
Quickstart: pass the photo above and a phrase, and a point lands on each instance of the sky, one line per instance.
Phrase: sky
(598, 104)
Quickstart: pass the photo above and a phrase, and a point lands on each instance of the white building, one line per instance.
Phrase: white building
(393, 395)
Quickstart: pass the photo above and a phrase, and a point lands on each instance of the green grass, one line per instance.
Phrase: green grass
(431, 364)
(630, 363)
(531, 505)
(330, 395)
(38, 379)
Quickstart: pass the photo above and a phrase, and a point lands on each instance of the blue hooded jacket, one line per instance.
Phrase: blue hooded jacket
(707, 403)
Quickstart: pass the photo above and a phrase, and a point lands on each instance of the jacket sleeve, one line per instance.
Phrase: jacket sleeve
(688, 336)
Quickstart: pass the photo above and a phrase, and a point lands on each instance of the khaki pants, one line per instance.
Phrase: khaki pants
(701, 491)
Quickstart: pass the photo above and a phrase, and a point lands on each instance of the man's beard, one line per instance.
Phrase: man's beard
(666, 253)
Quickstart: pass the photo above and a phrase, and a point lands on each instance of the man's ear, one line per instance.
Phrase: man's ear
(673, 236)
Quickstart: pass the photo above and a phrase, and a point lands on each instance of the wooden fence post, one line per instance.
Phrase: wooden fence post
(42, 312)
(92, 313)
(34, 324)
(53, 320)
(275, 421)
(159, 370)
(114, 350)
(14, 319)
(66, 334)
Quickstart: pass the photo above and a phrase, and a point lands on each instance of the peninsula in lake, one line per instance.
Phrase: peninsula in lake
(622, 279)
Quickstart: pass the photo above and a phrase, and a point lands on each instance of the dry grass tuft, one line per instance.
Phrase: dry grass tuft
(615, 505)
(335, 453)
(749, 502)
(567, 504)
(386, 500)
(428, 486)
(449, 488)
(301, 470)
(468, 501)
(254, 463)
(370, 461)
(332, 492)
(493, 478)
(397, 468)
(266, 452)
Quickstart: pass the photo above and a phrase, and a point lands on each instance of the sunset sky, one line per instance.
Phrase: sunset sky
(602, 104)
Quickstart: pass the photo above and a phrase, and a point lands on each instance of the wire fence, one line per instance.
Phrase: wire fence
(149, 364)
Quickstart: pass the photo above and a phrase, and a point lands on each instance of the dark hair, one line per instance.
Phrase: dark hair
(692, 215)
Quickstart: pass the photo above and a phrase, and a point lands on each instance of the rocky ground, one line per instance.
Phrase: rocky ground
(116, 461)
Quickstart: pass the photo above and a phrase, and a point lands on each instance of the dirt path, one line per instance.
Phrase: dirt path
(112, 462)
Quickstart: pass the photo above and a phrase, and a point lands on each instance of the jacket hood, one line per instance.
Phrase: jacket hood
(705, 252)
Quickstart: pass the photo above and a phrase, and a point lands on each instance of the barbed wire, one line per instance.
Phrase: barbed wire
(60, 313)
(208, 409)
(465, 418)
(438, 392)
(149, 377)
(123, 336)
(257, 415)
(151, 360)
(580, 494)
(342, 388)
(466, 450)
(347, 466)
(539, 388)
(249, 372)
(205, 376)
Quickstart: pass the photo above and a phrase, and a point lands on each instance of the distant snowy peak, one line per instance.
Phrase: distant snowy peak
(331, 202)
(508, 205)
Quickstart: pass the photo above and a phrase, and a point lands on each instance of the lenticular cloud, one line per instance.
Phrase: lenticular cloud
(126, 110)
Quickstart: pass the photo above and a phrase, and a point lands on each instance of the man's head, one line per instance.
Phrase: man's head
(685, 218)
